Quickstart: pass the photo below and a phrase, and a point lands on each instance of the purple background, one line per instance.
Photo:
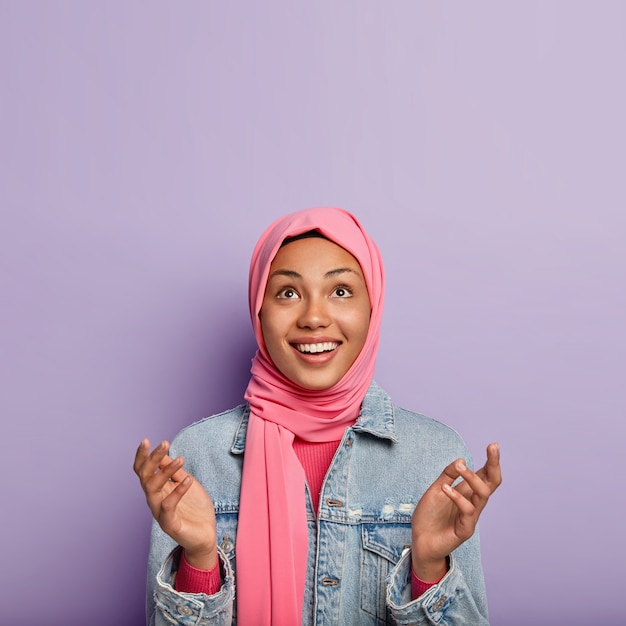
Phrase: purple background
(144, 146)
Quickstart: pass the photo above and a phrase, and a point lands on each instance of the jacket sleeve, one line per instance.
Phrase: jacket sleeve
(458, 598)
(166, 606)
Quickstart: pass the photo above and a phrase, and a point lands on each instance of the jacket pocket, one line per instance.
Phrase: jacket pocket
(383, 544)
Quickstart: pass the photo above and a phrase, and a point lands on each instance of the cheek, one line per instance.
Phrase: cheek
(359, 326)
(270, 327)
(363, 319)
(364, 325)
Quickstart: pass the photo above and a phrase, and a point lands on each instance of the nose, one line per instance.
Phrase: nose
(315, 314)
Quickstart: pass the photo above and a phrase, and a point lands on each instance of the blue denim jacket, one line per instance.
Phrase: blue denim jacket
(359, 560)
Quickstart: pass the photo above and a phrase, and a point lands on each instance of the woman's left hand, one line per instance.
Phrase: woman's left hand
(446, 516)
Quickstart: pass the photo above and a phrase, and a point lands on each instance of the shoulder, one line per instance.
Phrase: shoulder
(216, 431)
(414, 433)
(212, 449)
(429, 437)
(412, 420)
(407, 424)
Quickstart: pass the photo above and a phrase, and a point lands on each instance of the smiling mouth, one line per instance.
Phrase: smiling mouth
(316, 348)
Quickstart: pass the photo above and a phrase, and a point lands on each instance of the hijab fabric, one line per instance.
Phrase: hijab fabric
(272, 537)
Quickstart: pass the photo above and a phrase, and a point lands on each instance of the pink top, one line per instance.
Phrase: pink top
(315, 459)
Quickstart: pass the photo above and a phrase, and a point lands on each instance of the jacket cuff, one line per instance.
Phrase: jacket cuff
(193, 608)
(428, 608)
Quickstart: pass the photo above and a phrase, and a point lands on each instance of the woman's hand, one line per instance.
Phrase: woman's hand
(446, 516)
(178, 502)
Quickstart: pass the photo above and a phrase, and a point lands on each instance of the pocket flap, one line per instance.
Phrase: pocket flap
(388, 540)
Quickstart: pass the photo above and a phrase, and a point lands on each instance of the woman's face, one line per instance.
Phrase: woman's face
(315, 312)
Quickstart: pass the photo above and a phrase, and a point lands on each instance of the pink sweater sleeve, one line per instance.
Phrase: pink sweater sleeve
(418, 586)
(192, 580)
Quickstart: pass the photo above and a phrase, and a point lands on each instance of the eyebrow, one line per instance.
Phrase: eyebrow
(329, 274)
(339, 270)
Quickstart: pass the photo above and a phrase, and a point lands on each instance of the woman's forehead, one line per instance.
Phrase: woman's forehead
(309, 253)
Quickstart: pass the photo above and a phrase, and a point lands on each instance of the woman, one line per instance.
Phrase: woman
(317, 499)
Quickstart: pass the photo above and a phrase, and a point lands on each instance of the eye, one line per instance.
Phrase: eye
(342, 292)
(288, 293)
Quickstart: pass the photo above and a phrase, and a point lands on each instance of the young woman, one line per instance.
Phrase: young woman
(317, 501)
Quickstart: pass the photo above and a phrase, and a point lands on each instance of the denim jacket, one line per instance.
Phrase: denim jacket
(359, 558)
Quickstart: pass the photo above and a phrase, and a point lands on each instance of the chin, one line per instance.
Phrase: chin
(314, 383)
(319, 387)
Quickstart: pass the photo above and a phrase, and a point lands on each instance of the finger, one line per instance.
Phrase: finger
(458, 469)
(491, 472)
(473, 488)
(169, 504)
(180, 474)
(476, 483)
(159, 479)
(468, 513)
(451, 472)
(141, 455)
(152, 461)
(478, 487)
(492, 467)
(461, 502)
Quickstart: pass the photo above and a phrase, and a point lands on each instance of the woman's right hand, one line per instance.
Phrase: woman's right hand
(178, 503)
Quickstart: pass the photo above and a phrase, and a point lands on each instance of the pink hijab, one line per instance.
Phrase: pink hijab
(272, 537)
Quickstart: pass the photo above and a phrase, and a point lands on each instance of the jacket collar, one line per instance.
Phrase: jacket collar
(376, 418)
(377, 415)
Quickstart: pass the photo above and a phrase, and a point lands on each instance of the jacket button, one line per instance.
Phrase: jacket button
(227, 545)
(329, 582)
(439, 604)
(184, 610)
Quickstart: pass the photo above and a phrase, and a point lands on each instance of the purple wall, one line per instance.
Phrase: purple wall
(143, 148)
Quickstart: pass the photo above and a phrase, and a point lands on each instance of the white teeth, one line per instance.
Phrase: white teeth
(313, 348)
